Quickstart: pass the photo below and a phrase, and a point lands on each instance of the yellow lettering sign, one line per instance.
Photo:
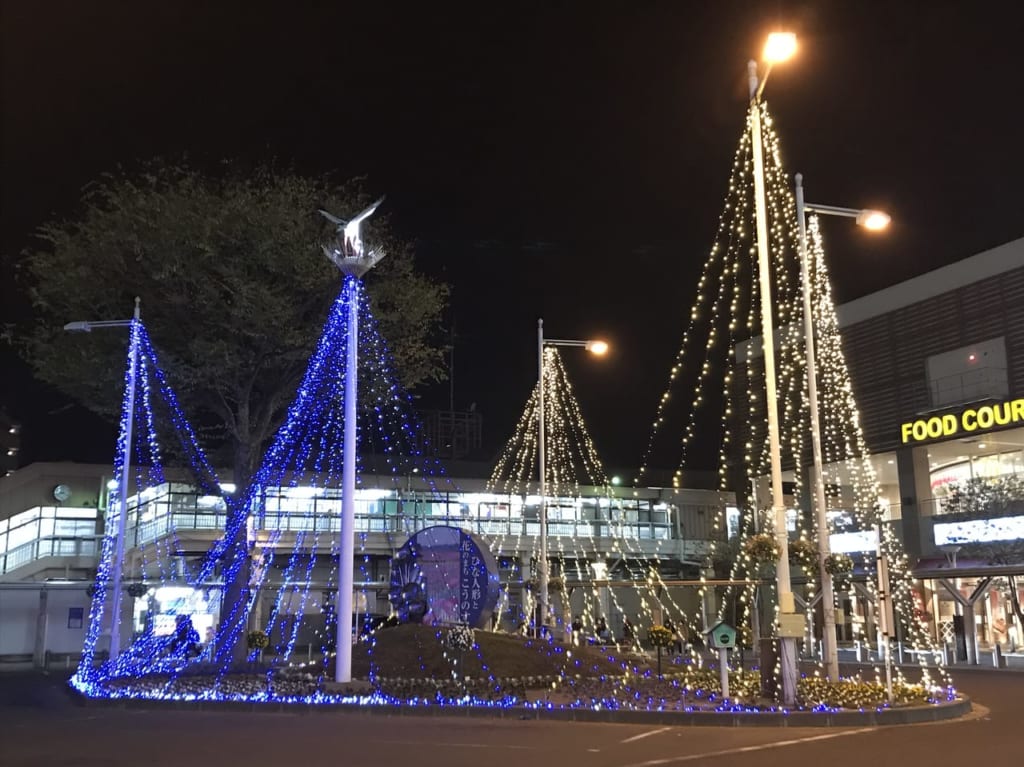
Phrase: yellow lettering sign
(971, 419)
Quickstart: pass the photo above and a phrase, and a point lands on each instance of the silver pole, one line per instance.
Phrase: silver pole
(828, 629)
(543, 573)
(787, 645)
(723, 672)
(885, 613)
(349, 255)
(346, 550)
(122, 501)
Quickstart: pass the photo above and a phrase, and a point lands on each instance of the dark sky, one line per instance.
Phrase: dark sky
(557, 159)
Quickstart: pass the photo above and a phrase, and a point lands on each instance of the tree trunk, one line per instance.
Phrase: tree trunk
(237, 555)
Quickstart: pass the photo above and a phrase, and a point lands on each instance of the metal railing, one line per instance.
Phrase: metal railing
(50, 546)
(164, 511)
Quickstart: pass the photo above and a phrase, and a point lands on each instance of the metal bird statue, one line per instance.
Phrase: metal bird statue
(347, 251)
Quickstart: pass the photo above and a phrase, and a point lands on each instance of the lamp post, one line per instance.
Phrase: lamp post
(353, 259)
(778, 48)
(594, 347)
(873, 220)
(84, 326)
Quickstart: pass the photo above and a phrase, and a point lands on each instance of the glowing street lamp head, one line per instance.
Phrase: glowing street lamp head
(873, 220)
(779, 47)
(597, 347)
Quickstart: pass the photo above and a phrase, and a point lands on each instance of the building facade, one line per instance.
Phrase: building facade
(937, 368)
(52, 517)
(937, 365)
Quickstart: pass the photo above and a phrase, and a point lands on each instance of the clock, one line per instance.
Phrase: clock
(62, 493)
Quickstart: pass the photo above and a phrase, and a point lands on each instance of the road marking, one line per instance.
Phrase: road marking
(457, 745)
(644, 735)
(745, 749)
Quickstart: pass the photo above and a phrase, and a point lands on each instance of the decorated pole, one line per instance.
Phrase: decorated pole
(347, 253)
(122, 492)
(786, 603)
(543, 572)
(886, 619)
(346, 551)
(125, 444)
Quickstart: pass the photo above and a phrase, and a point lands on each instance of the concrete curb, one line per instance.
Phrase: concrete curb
(871, 718)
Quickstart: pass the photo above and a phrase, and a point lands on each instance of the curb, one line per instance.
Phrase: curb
(875, 717)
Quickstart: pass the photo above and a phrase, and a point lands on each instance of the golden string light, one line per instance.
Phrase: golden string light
(731, 264)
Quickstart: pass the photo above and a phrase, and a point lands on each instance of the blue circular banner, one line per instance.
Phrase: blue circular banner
(444, 575)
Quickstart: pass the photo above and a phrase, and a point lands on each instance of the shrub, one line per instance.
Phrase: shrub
(659, 636)
(257, 640)
(460, 638)
(803, 552)
(136, 590)
(761, 548)
(838, 564)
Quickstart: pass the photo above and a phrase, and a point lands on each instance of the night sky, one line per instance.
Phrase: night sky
(556, 159)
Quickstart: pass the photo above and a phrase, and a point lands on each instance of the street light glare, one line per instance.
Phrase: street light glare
(873, 220)
(597, 347)
(779, 47)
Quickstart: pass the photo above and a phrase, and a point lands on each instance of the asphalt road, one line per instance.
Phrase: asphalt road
(40, 724)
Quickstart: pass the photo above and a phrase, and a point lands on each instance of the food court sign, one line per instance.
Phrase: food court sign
(980, 418)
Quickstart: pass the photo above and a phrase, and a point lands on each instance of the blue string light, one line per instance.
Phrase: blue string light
(303, 453)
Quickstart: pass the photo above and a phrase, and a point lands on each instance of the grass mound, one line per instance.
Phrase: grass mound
(418, 651)
(416, 662)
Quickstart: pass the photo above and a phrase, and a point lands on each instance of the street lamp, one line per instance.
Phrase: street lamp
(594, 347)
(83, 326)
(780, 46)
(873, 220)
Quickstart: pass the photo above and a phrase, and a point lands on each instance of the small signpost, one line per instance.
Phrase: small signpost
(722, 637)
(792, 625)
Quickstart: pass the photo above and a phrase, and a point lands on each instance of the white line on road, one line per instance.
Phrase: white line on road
(744, 749)
(457, 745)
(645, 735)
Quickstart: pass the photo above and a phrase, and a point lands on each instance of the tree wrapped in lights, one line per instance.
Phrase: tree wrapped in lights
(720, 344)
(151, 422)
(295, 485)
(307, 453)
(846, 453)
(571, 462)
(571, 455)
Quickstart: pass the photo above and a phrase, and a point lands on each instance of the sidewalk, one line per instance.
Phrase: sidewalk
(1009, 662)
(987, 659)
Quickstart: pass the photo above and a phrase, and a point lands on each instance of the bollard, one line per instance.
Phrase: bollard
(997, 656)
